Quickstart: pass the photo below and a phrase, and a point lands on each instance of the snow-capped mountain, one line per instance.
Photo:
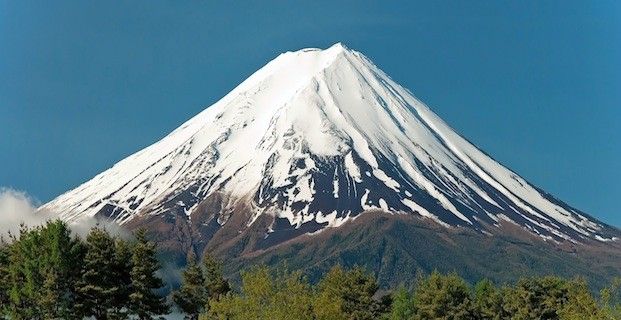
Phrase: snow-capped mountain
(317, 138)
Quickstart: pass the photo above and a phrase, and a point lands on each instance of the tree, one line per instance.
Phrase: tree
(62, 256)
(442, 297)
(580, 303)
(144, 302)
(123, 265)
(611, 300)
(101, 286)
(328, 302)
(24, 275)
(266, 296)
(402, 305)
(536, 298)
(348, 295)
(488, 301)
(215, 283)
(192, 298)
(40, 272)
(4, 278)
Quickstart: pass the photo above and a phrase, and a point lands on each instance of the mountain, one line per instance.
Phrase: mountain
(320, 144)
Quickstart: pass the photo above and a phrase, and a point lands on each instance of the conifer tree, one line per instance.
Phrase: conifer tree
(402, 305)
(100, 284)
(443, 297)
(580, 303)
(4, 278)
(266, 296)
(350, 291)
(123, 266)
(40, 274)
(488, 301)
(191, 298)
(215, 283)
(144, 302)
(536, 298)
(62, 256)
(611, 300)
(51, 295)
(24, 276)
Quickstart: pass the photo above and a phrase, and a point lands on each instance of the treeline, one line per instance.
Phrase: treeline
(47, 273)
(353, 295)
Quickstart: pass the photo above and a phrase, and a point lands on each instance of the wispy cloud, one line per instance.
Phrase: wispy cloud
(17, 208)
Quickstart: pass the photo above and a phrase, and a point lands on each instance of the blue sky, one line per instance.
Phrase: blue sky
(535, 84)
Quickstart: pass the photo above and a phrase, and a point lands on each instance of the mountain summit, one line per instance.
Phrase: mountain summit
(318, 137)
(313, 141)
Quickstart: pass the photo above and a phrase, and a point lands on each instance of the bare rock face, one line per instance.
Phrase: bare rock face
(319, 145)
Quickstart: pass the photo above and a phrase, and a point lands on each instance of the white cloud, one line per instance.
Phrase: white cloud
(17, 208)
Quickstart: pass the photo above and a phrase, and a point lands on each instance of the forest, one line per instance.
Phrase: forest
(47, 272)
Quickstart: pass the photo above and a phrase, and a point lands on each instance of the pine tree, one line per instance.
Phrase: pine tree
(100, 284)
(144, 302)
(215, 283)
(123, 267)
(536, 298)
(266, 296)
(611, 300)
(580, 303)
(191, 298)
(24, 275)
(350, 291)
(443, 297)
(488, 301)
(40, 273)
(61, 258)
(402, 305)
(4, 278)
(328, 302)
(50, 295)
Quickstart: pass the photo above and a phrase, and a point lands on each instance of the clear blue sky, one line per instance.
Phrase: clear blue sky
(535, 84)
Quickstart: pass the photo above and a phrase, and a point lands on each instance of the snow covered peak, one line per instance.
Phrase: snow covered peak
(339, 46)
(315, 138)
(333, 50)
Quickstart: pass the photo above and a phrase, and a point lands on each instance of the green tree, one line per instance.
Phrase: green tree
(101, 286)
(443, 297)
(611, 300)
(402, 305)
(4, 278)
(348, 295)
(265, 296)
(191, 298)
(551, 297)
(123, 265)
(144, 302)
(328, 302)
(488, 301)
(215, 283)
(62, 256)
(40, 273)
(24, 276)
(579, 303)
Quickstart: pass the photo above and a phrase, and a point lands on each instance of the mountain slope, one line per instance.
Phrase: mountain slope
(321, 136)
(311, 141)
(396, 247)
